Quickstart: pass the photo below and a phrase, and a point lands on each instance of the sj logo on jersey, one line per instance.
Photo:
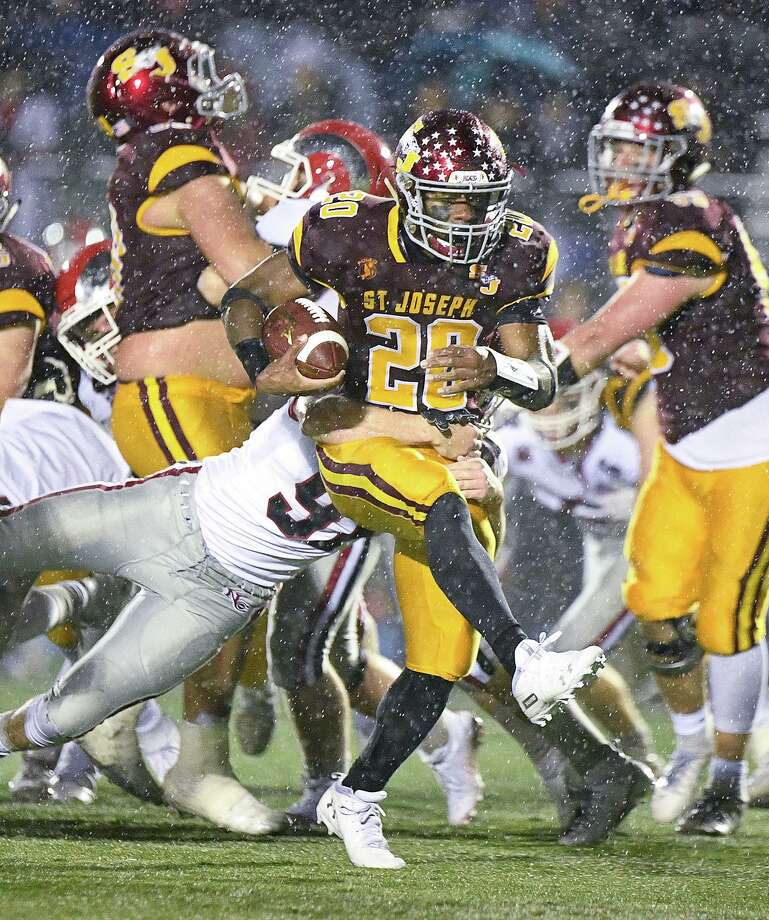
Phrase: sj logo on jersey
(367, 268)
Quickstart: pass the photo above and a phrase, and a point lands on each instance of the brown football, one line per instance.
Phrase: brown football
(325, 352)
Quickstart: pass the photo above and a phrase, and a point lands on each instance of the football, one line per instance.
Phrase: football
(324, 354)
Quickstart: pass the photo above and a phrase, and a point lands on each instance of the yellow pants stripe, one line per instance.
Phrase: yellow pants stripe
(753, 597)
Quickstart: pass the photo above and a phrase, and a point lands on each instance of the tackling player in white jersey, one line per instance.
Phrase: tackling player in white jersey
(208, 545)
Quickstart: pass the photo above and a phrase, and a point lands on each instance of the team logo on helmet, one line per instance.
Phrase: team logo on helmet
(690, 113)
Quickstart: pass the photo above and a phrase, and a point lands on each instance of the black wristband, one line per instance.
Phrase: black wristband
(237, 293)
(253, 356)
(567, 376)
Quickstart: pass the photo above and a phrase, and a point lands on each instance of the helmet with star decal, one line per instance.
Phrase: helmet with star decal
(453, 182)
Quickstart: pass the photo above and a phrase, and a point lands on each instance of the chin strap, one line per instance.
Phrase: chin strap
(593, 202)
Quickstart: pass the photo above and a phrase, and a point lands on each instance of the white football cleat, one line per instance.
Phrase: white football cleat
(356, 817)
(544, 679)
(114, 748)
(456, 769)
(677, 788)
(223, 801)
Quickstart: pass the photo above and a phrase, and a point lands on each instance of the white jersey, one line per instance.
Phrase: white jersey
(598, 487)
(263, 511)
(47, 446)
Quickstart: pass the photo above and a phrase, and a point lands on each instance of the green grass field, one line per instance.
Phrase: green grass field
(118, 859)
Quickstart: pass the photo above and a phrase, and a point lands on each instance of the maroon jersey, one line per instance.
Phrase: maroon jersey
(711, 355)
(155, 270)
(27, 283)
(399, 305)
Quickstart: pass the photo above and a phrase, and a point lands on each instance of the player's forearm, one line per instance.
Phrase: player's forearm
(530, 381)
(336, 419)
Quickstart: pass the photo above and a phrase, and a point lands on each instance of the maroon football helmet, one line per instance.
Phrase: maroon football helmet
(671, 130)
(153, 76)
(7, 207)
(449, 158)
(324, 158)
(84, 321)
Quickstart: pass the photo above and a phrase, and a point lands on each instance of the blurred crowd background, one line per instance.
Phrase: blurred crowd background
(539, 71)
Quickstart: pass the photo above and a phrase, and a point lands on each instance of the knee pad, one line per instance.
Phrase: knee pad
(676, 653)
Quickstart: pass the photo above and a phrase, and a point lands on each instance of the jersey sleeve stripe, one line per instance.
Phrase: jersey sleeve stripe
(296, 241)
(17, 300)
(176, 157)
(392, 235)
(552, 260)
(546, 292)
(155, 231)
(692, 240)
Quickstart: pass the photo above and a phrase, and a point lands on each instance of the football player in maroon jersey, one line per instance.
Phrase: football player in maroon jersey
(692, 281)
(181, 394)
(425, 279)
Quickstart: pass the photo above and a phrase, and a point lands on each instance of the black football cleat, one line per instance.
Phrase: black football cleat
(612, 789)
(717, 813)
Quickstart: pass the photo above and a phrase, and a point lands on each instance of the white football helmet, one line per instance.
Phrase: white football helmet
(573, 415)
(84, 323)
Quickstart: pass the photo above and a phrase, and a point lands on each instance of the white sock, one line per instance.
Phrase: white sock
(736, 689)
(150, 717)
(691, 731)
(73, 761)
(158, 737)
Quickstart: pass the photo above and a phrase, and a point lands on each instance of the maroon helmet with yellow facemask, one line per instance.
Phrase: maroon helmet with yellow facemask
(652, 140)
(154, 76)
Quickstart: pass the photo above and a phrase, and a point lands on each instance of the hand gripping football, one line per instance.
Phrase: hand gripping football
(325, 352)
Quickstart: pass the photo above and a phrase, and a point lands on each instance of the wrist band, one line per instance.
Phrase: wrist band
(238, 293)
(511, 371)
(253, 356)
(567, 376)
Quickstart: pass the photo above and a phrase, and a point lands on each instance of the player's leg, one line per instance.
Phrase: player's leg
(598, 616)
(731, 627)
(253, 703)
(304, 621)
(593, 786)
(410, 493)
(157, 641)
(156, 422)
(440, 646)
(665, 546)
(450, 747)
(758, 782)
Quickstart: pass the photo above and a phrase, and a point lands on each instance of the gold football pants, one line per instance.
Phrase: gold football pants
(699, 540)
(159, 421)
(388, 488)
